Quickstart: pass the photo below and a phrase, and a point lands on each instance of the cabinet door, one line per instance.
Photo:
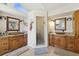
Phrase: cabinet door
(25, 40)
(56, 41)
(62, 42)
(12, 43)
(18, 41)
(0, 45)
(70, 43)
(76, 19)
(77, 44)
(21, 40)
(51, 40)
(3, 45)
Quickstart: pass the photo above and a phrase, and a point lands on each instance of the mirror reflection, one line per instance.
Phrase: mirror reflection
(60, 24)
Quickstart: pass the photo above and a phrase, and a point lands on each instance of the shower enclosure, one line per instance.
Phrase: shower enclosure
(40, 30)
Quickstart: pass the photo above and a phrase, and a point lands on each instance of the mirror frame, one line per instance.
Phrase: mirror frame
(14, 19)
(64, 23)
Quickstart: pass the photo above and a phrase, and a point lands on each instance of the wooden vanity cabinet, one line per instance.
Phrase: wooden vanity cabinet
(76, 20)
(59, 41)
(51, 40)
(56, 41)
(23, 39)
(0, 45)
(70, 43)
(17, 41)
(62, 42)
(12, 43)
(77, 44)
(3, 45)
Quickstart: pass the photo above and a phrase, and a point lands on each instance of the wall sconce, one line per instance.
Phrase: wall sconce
(51, 23)
(25, 23)
(1, 17)
(69, 19)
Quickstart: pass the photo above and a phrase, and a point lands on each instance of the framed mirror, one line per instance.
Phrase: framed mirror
(60, 24)
(13, 24)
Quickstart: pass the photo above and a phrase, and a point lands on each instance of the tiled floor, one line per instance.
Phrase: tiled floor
(51, 52)
(18, 51)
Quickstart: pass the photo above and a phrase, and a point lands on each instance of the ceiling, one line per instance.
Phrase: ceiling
(41, 6)
(44, 6)
(26, 7)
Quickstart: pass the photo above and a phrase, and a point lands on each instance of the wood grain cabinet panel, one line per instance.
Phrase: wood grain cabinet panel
(70, 43)
(76, 19)
(17, 41)
(62, 42)
(11, 43)
(77, 44)
(0, 45)
(22, 40)
(51, 40)
(57, 41)
(3, 45)
(25, 40)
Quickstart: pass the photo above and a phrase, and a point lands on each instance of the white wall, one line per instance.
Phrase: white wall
(32, 33)
(2, 25)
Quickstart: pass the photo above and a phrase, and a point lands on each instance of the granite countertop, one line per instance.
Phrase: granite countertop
(11, 35)
(66, 34)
